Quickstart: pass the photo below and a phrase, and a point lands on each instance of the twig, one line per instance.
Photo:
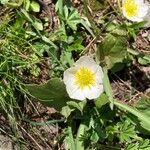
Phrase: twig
(86, 49)
(32, 138)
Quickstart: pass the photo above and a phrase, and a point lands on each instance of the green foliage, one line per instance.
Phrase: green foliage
(35, 6)
(114, 52)
(107, 87)
(126, 131)
(103, 123)
(102, 100)
(69, 16)
(26, 4)
(12, 3)
(144, 59)
(143, 117)
(52, 93)
(4, 1)
(133, 28)
(36, 23)
(142, 145)
(143, 105)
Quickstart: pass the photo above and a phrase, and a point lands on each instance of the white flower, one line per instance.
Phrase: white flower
(84, 79)
(135, 10)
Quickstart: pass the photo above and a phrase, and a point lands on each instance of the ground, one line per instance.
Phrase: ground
(40, 127)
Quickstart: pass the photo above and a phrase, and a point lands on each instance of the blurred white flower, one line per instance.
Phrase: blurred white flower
(84, 79)
(135, 10)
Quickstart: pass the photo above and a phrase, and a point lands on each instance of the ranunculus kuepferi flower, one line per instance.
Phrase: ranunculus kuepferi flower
(135, 10)
(84, 79)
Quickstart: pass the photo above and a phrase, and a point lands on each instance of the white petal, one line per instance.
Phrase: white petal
(147, 19)
(69, 75)
(135, 19)
(93, 92)
(71, 88)
(88, 62)
(99, 75)
(139, 1)
(75, 93)
(85, 61)
(143, 10)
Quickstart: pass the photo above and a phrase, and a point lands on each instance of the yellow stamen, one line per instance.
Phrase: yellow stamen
(84, 77)
(131, 8)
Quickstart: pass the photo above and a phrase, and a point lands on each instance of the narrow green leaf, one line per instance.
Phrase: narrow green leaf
(37, 24)
(87, 27)
(70, 143)
(59, 6)
(26, 15)
(107, 87)
(80, 133)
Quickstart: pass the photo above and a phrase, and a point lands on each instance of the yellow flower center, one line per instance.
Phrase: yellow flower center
(131, 7)
(84, 77)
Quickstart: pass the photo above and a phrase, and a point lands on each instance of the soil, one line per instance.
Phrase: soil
(47, 136)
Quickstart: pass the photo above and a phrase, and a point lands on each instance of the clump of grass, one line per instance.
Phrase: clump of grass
(16, 55)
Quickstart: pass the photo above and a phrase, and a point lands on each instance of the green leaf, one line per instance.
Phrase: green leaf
(26, 15)
(27, 4)
(107, 87)
(52, 93)
(112, 50)
(132, 146)
(4, 2)
(87, 26)
(69, 140)
(80, 133)
(126, 131)
(12, 3)
(66, 58)
(66, 12)
(37, 24)
(96, 5)
(137, 25)
(139, 145)
(71, 106)
(115, 29)
(47, 40)
(59, 6)
(144, 60)
(76, 45)
(144, 118)
(73, 18)
(66, 111)
(78, 105)
(35, 6)
(144, 144)
(143, 105)
(102, 100)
